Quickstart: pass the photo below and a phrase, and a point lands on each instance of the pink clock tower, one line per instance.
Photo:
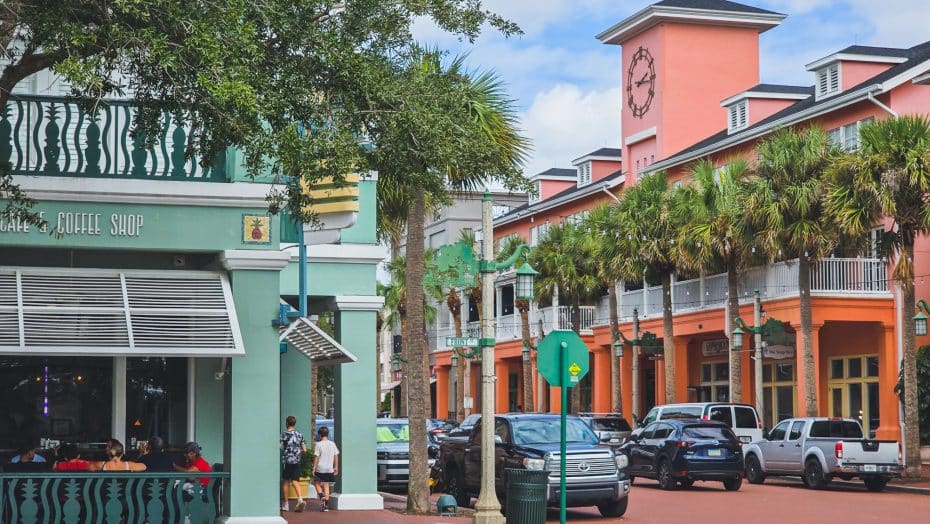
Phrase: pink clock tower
(680, 59)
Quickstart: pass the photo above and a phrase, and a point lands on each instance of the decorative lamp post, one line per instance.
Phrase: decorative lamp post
(455, 360)
(772, 332)
(920, 319)
(526, 353)
(526, 282)
(737, 338)
(618, 348)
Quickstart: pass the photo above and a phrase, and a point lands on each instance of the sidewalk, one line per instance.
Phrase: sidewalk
(393, 504)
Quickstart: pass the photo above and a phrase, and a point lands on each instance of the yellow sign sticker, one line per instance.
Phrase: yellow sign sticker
(574, 369)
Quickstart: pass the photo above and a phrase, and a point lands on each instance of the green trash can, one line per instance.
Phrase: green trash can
(526, 496)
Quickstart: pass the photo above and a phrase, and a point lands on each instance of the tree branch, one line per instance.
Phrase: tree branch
(29, 63)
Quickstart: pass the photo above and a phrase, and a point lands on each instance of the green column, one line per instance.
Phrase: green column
(252, 453)
(355, 405)
(209, 407)
(295, 391)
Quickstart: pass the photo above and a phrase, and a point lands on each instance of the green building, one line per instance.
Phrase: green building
(146, 308)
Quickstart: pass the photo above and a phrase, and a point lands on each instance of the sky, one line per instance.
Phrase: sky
(566, 83)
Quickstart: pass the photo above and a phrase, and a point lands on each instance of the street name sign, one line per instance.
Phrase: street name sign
(462, 342)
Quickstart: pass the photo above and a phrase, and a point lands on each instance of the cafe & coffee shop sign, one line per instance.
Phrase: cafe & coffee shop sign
(72, 223)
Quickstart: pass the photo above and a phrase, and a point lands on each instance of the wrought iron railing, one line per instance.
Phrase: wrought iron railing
(53, 136)
(111, 497)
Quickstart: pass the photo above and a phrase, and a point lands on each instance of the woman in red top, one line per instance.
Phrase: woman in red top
(72, 460)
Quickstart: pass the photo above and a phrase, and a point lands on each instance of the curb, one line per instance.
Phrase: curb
(897, 488)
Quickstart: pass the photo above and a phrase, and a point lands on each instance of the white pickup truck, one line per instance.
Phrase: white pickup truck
(819, 449)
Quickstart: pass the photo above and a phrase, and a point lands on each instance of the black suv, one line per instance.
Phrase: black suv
(682, 451)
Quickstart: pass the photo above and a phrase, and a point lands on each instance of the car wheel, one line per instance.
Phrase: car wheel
(875, 483)
(754, 470)
(664, 476)
(686, 483)
(455, 486)
(813, 475)
(614, 509)
(733, 484)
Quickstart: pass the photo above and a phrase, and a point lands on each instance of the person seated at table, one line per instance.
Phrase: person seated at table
(154, 456)
(27, 454)
(71, 460)
(115, 460)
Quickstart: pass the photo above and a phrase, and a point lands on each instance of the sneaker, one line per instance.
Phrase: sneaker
(326, 505)
(285, 506)
(300, 506)
(323, 505)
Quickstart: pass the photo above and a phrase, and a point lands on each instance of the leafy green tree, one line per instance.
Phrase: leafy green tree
(889, 176)
(787, 204)
(242, 72)
(441, 129)
(509, 247)
(717, 231)
(647, 212)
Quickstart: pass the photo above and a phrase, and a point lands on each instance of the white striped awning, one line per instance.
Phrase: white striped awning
(308, 338)
(69, 311)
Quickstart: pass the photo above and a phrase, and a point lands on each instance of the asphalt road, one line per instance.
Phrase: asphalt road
(778, 501)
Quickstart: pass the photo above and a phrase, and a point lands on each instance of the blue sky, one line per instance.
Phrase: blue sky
(567, 84)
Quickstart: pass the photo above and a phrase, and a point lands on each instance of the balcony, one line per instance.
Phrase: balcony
(510, 327)
(53, 136)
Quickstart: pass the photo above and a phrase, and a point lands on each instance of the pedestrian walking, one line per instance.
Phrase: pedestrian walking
(294, 445)
(325, 466)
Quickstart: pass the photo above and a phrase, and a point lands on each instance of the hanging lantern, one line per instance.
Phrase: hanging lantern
(526, 282)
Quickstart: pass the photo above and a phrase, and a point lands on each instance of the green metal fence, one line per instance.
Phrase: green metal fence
(54, 136)
(111, 497)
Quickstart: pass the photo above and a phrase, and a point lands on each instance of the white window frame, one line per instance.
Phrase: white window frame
(584, 174)
(538, 196)
(840, 135)
(738, 116)
(829, 80)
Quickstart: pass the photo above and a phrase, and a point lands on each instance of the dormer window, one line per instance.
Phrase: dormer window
(828, 80)
(536, 194)
(737, 116)
(584, 174)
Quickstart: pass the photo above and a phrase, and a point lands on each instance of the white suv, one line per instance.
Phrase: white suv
(742, 418)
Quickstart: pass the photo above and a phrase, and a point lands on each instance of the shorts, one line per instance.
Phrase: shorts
(291, 472)
(328, 478)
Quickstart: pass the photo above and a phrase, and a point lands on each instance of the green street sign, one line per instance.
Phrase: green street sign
(557, 368)
(462, 342)
(455, 267)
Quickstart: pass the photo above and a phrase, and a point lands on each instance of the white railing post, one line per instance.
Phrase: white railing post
(701, 289)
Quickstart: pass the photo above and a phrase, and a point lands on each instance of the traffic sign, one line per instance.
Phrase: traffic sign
(462, 342)
(549, 360)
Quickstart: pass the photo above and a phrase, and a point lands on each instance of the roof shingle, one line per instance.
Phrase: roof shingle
(713, 5)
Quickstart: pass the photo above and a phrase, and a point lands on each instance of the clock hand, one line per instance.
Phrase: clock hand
(642, 80)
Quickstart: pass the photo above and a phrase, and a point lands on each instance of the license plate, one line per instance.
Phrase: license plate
(713, 452)
(870, 468)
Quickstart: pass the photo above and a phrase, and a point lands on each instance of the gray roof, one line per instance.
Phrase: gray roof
(778, 88)
(605, 151)
(915, 55)
(876, 51)
(560, 194)
(714, 5)
(558, 172)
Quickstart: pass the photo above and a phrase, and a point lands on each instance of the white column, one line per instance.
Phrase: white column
(118, 422)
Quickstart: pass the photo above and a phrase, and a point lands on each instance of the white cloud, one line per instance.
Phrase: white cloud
(566, 122)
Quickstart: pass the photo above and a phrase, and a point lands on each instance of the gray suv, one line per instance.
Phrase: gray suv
(610, 428)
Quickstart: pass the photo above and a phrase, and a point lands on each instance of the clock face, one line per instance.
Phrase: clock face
(640, 82)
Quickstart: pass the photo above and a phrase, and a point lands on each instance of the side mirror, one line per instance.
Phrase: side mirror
(765, 434)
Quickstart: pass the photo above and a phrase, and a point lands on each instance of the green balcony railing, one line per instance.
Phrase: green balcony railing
(111, 497)
(53, 136)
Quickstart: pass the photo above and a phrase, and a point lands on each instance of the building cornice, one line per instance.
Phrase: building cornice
(922, 79)
(594, 187)
(161, 192)
(762, 94)
(588, 158)
(257, 259)
(359, 302)
(652, 15)
(854, 57)
(340, 253)
(639, 137)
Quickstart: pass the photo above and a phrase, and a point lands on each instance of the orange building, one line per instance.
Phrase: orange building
(690, 80)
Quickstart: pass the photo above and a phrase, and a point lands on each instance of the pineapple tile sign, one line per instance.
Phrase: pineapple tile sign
(256, 229)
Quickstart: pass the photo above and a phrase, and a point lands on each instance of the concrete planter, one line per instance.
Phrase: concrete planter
(925, 455)
(306, 489)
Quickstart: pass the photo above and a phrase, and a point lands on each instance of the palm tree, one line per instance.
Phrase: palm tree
(786, 203)
(509, 247)
(890, 177)
(647, 213)
(446, 130)
(610, 256)
(718, 232)
(565, 261)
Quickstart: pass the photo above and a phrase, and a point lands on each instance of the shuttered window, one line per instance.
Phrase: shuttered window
(828, 80)
(738, 116)
(137, 313)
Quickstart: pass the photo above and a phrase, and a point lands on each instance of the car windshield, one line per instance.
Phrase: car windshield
(546, 431)
(393, 432)
(470, 420)
(610, 424)
(707, 433)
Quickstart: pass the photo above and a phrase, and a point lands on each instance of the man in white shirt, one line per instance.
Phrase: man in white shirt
(325, 466)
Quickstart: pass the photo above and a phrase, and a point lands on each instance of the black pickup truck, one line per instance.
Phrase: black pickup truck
(595, 475)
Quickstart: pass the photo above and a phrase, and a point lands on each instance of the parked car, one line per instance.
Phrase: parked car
(467, 425)
(328, 423)
(439, 428)
(610, 428)
(393, 447)
(818, 449)
(595, 474)
(741, 418)
(676, 451)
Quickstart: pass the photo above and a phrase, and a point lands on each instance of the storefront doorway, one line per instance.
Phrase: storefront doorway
(854, 390)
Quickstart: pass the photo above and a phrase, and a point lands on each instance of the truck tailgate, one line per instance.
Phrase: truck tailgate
(869, 451)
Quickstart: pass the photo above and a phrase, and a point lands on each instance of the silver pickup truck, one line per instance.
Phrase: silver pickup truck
(819, 449)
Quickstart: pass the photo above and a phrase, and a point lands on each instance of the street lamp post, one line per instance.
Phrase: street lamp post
(920, 319)
(771, 328)
(488, 508)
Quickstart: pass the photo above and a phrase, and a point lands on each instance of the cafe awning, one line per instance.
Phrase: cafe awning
(86, 312)
(308, 338)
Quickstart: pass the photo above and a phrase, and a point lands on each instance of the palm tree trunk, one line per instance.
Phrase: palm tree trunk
(616, 401)
(455, 307)
(575, 393)
(736, 391)
(405, 355)
(524, 307)
(668, 338)
(807, 336)
(416, 377)
(911, 413)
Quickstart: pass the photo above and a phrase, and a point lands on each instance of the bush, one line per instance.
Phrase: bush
(306, 463)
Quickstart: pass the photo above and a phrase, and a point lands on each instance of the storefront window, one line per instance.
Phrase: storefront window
(854, 393)
(64, 399)
(156, 399)
(716, 389)
(778, 387)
